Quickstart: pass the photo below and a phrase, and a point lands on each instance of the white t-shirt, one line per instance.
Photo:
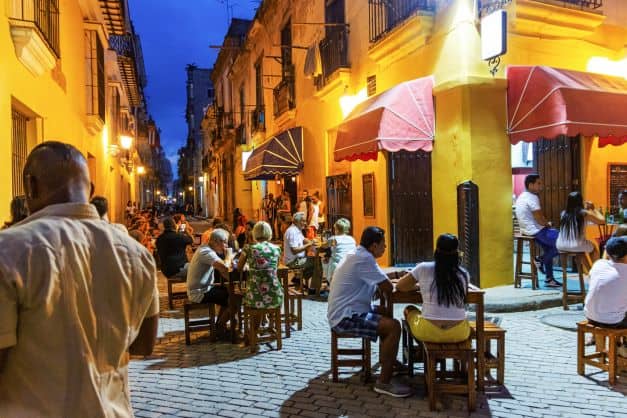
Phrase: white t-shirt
(526, 204)
(424, 273)
(354, 283)
(606, 301)
(200, 273)
(315, 210)
(292, 238)
(74, 292)
(344, 244)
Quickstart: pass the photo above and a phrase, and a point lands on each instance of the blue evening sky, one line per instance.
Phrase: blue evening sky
(175, 33)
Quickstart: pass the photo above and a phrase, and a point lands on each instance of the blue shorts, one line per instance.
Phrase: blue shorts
(361, 325)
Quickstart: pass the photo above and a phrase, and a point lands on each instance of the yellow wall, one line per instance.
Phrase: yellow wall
(58, 104)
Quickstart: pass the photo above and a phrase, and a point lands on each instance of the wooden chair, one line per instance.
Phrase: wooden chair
(605, 356)
(358, 356)
(520, 241)
(206, 323)
(496, 359)
(252, 321)
(293, 302)
(459, 380)
(576, 296)
(175, 295)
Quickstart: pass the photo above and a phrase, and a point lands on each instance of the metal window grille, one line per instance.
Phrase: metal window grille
(371, 82)
(95, 82)
(44, 14)
(385, 15)
(19, 145)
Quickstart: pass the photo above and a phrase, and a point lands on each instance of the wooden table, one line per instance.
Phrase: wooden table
(474, 296)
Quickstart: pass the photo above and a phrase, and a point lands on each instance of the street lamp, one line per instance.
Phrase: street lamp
(126, 142)
(190, 188)
(141, 170)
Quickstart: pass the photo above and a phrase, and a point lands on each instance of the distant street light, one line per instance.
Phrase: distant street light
(190, 188)
(141, 170)
(126, 141)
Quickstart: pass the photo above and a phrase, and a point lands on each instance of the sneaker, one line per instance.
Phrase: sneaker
(552, 283)
(622, 351)
(397, 390)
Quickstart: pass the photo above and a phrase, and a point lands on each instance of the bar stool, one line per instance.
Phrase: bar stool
(493, 359)
(577, 296)
(519, 275)
(358, 356)
(206, 323)
(605, 355)
(252, 320)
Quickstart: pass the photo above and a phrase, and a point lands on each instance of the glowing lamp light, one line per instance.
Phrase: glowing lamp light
(180, 193)
(201, 179)
(174, 200)
(190, 188)
(349, 102)
(141, 170)
(158, 192)
(126, 141)
(245, 157)
(293, 178)
(606, 66)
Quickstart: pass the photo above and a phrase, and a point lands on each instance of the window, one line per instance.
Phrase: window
(47, 21)
(115, 113)
(259, 83)
(19, 145)
(95, 81)
(242, 105)
(286, 50)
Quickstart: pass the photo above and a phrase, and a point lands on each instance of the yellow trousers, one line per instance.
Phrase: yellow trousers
(425, 330)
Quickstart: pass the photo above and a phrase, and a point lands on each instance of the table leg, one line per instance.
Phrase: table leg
(480, 347)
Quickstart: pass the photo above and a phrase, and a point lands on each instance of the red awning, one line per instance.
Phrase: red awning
(400, 118)
(544, 102)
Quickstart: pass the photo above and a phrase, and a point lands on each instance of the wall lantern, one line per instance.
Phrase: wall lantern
(126, 142)
(141, 170)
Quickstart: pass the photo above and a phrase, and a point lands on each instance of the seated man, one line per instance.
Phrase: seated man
(201, 276)
(171, 247)
(606, 301)
(294, 246)
(533, 223)
(350, 312)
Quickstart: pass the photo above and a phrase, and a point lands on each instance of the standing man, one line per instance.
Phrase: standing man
(350, 309)
(171, 247)
(269, 207)
(76, 297)
(533, 223)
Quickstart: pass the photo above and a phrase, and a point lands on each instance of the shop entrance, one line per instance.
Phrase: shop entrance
(558, 163)
(339, 199)
(411, 207)
(289, 185)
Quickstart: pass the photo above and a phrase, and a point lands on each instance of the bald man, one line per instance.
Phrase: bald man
(77, 295)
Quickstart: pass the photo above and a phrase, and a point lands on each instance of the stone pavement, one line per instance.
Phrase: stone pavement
(220, 379)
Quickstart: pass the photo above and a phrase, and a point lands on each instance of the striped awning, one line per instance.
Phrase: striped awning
(281, 155)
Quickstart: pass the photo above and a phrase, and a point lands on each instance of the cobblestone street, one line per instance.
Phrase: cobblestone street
(220, 379)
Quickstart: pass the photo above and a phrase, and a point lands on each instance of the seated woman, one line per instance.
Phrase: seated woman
(264, 289)
(443, 284)
(340, 244)
(572, 234)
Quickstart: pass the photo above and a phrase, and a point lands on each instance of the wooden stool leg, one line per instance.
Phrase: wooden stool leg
(334, 359)
(564, 263)
(582, 287)
(367, 360)
(170, 305)
(300, 313)
(186, 321)
(472, 394)
(532, 261)
(252, 341)
(430, 377)
(611, 367)
(519, 255)
(581, 349)
(277, 329)
(500, 373)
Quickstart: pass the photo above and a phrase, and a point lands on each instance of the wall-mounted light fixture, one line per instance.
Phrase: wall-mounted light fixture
(141, 170)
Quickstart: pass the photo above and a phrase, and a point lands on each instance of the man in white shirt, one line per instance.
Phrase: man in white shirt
(295, 244)
(205, 264)
(76, 297)
(533, 223)
(350, 309)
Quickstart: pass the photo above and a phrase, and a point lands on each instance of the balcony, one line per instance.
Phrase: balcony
(240, 135)
(258, 120)
(334, 56)
(284, 96)
(131, 62)
(35, 33)
(386, 15)
(488, 6)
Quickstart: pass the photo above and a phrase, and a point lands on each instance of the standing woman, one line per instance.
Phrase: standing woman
(443, 285)
(572, 234)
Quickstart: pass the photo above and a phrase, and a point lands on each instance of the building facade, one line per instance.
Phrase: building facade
(73, 72)
(336, 72)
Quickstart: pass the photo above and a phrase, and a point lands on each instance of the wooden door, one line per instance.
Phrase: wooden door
(558, 163)
(339, 202)
(411, 207)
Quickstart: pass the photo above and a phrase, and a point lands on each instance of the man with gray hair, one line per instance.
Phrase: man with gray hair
(201, 287)
(295, 244)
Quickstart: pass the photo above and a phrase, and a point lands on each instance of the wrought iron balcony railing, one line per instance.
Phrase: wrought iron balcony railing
(240, 134)
(488, 6)
(333, 54)
(44, 15)
(385, 15)
(284, 95)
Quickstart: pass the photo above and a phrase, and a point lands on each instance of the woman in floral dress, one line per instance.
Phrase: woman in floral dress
(264, 289)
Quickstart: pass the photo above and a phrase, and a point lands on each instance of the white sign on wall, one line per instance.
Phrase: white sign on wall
(494, 35)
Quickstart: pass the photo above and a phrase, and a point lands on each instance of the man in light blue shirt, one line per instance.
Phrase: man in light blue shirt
(350, 310)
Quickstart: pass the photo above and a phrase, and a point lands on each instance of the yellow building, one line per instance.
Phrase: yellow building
(70, 73)
(320, 59)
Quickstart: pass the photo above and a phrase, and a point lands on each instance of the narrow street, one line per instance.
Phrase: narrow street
(220, 379)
